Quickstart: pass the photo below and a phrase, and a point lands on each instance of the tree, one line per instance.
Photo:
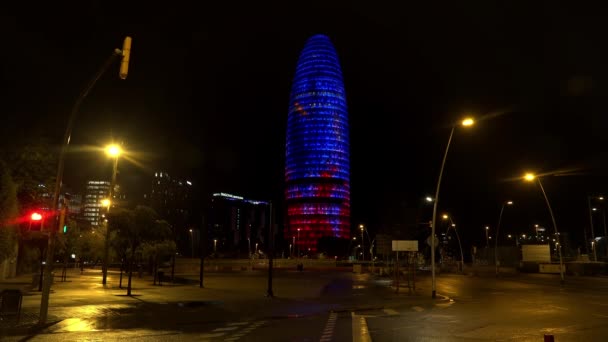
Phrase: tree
(138, 227)
(32, 168)
(8, 214)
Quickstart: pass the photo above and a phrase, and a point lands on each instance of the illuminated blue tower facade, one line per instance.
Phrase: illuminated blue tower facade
(317, 170)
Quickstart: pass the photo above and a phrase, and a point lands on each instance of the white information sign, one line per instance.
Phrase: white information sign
(405, 245)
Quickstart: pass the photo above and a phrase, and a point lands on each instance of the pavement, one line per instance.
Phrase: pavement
(317, 306)
(81, 305)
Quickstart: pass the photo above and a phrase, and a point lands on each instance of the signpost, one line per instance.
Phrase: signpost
(403, 246)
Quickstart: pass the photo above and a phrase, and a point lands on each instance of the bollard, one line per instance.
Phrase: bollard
(549, 338)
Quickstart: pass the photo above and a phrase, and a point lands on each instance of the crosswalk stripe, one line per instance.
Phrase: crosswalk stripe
(390, 312)
(226, 329)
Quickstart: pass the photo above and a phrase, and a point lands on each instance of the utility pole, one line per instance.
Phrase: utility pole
(46, 288)
(202, 245)
(269, 292)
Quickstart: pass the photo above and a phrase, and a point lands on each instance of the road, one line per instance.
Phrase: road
(330, 306)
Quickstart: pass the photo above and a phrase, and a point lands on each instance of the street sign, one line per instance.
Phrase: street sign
(383, 244)
(405, 245)
(428, 241)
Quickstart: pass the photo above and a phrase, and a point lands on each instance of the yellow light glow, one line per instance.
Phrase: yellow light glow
(105, 202)
(468, 122)
(510, 202)
(113, 150)
(445, 216)
(529, 177)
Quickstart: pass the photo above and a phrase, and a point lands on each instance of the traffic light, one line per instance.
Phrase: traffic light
(65, 228)
(126, 54)
(35, 221)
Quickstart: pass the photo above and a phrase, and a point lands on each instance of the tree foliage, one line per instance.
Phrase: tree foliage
(32, 168)
(8, 213)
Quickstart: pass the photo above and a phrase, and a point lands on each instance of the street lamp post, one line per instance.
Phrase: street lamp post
(191, 242)
(215, 246)
(113, 151)
(453, 226)
(466, 123)
(591, 210)
(125, 53)
(362, 242)
(298, 244)
(496, 261)
(531, 177)
(487, 237)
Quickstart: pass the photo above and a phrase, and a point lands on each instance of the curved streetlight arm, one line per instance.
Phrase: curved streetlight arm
(502, 209)
(453, 226)
(434, 221)
(559, 250)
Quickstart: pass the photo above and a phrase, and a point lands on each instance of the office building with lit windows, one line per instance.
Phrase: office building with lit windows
(317, 150)
(237, 226)
(96, 191)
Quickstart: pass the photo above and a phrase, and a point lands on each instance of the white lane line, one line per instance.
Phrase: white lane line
(360, 331)
(238, 323)
(600, 315)
(226, 329)
(390, 312)
(328, 332)
(211, 335)
(417, 308)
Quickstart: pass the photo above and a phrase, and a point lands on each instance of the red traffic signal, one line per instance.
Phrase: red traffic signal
(36, 217)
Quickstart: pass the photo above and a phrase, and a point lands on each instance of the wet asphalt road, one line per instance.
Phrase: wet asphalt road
(515, 308)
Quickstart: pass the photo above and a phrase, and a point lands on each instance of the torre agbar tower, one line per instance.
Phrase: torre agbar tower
(317, 150)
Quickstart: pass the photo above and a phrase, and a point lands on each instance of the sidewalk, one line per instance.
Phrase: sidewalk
(83, 304)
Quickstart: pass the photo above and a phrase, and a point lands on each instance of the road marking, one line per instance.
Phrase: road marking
(390, 312)
(226, 329)
(328, 332)
(238, 323)
(417, 308)
(360, 331)
(600, 315)
(211, 335)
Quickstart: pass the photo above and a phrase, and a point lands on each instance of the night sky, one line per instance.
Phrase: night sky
(208, 89)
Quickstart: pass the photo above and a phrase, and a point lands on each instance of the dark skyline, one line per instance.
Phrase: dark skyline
(208, 89)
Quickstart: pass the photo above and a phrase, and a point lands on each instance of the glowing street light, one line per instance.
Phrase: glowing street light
(429, 199)
(113, 150)
(466, 122)
(529, 177)
(445, 216)
(106, 202)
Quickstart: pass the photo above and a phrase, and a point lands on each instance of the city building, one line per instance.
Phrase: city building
(172, 198)
(96, 191)
(237, 226)
(317, 150)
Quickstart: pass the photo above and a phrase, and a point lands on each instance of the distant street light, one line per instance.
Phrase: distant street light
(496, 261)
(487, 237)
(362, 227)
(467, 122)
(429, 199)
(215, 246)
(453, 225)
(191, 243)
(530, 177)
(589, 198)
